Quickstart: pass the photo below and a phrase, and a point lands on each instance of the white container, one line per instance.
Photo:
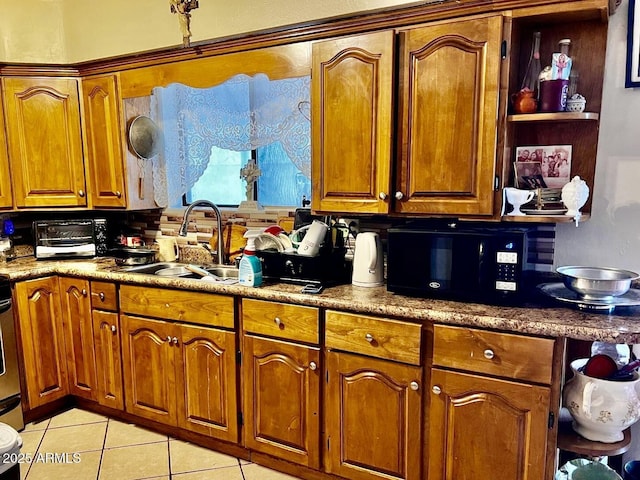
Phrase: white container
(310, 244)
(601, 409)
(368, 264)
(10, 443)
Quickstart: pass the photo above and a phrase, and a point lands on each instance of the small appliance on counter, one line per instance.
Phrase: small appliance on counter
(55, 239)
(458, 262)
(368, 261)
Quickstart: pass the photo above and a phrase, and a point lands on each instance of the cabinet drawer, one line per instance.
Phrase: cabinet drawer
(501, 354)
(202, 308)
(291, 322)
(104, 296)
(377, 337)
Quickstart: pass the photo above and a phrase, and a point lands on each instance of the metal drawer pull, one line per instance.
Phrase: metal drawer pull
(313, 366)
(278, 321)
(414, 386)
(113, 328)
(101, 296)
(368, 337)
(436, 389)
(488, 354)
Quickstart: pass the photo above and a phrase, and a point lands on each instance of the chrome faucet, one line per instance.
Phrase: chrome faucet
(185, 223)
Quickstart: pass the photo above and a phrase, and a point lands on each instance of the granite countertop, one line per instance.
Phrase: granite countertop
(546, 318)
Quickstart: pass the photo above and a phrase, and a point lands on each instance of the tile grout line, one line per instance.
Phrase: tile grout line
(104, 443)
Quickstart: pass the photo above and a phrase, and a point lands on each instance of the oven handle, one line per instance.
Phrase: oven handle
(10, 404)
(5, 305)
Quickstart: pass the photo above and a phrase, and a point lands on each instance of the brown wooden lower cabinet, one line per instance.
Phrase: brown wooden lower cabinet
(483, 427)
(372, 418)
(106, 340)
(78, 336)
(282, 399)
(180, 375)
(41, 340)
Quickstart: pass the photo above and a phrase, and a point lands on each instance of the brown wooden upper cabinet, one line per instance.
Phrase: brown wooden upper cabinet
(443, 132)
(6, 199)
(44, 141)
(104, 153)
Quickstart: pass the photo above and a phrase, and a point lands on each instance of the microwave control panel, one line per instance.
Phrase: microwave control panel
(507, 271)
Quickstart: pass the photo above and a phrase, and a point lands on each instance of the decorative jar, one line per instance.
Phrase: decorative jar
(601, 409)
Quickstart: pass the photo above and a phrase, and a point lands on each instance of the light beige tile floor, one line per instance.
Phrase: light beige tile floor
(80, 445)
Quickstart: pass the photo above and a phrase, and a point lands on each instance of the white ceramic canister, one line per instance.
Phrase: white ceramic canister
(601, 409)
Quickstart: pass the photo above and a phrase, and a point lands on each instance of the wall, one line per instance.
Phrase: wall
(30, 30)
(118, 27)
(612, 236)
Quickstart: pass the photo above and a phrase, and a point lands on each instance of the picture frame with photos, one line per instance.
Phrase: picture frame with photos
(554, 162)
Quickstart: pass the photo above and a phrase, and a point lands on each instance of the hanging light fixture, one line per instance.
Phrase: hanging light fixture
(183, 9)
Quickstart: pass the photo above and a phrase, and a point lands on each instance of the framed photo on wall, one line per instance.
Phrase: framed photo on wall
(632, 78)
(555, 166)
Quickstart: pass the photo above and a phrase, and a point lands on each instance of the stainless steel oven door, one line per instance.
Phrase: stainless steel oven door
(10, 399)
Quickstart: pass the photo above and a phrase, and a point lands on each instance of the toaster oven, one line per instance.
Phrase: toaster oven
(80, 238)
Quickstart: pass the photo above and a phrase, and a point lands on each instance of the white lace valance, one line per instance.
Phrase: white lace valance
(241, 114)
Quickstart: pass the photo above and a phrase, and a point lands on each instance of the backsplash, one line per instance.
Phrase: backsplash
(153, 224)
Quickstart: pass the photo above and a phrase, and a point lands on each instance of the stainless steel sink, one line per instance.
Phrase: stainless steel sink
(180, 270)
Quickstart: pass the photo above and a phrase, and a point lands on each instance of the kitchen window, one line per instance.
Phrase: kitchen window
(210, 135)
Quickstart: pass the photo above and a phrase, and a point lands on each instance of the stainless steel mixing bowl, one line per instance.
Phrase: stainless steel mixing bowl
(597, 283)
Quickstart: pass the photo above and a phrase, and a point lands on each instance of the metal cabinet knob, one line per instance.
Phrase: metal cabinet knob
(113, 328)
(118, 193)
(436, 389)
(101, 296)
(169, 338)
(313, 365)
(175, 340)
(382, 196)
(488, 354)
(277, 321)
(368, 337)
(414, 386)
(399, 195)
(81, 193)
(84, 292)
(167, 305)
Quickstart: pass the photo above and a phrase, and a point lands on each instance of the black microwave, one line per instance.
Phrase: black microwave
(466, 263)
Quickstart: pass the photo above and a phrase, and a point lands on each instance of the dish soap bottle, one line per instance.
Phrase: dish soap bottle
(250, 274)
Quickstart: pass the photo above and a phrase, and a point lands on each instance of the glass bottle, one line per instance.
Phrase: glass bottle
(530, 79)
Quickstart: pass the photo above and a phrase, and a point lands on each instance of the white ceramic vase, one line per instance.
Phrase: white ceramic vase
(574, 195)
(601, 409)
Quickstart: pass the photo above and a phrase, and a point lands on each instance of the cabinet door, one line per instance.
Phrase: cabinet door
(373, 418)
(45, 145)
(282, 399)
(41, 340)
(104, 156)
(207, 395)
(106, 337)
(467, 410)
(352, 85)
(78, 336)
(448, 117)
(6, 199)
(149, 356)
